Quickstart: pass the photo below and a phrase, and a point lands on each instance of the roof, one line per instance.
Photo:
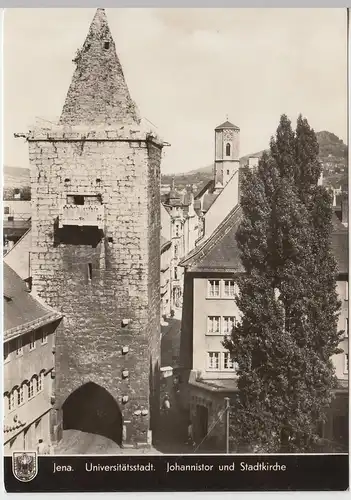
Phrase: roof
(209, 199)
(98, 93)
(220, 251)
(164, 243)
(227, 124)
(207, 186)
(23, 312)
(214, 385)
(339, 245)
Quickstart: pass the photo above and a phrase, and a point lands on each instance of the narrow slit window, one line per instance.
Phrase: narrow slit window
(90, 271)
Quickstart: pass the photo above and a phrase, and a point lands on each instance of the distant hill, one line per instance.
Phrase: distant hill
(332, 154)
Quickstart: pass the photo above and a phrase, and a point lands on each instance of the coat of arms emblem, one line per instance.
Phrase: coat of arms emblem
(25, 465)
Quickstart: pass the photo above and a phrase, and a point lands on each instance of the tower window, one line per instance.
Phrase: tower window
(227, 172)
(227, 149)
(90, 271)
(106, 45)
(78, 200)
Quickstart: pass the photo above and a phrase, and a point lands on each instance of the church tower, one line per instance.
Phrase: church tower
(227, 146)
(95, 181)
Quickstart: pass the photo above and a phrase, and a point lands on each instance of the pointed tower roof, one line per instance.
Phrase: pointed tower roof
(227, 124)
(98, 92)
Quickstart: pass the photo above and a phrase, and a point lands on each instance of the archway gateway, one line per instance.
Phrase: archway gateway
(91, 408)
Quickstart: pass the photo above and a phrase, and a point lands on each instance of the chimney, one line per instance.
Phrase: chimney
(345, 210)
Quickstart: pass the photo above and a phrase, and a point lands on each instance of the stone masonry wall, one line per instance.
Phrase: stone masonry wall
(154, 327)
(124, 264)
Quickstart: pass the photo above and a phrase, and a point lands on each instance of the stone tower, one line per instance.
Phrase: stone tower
(227, 146)
(95, 179)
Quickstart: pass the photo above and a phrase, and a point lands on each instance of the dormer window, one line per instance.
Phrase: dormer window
(227, 149)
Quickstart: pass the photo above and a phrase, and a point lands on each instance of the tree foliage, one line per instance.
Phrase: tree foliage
(288, 329)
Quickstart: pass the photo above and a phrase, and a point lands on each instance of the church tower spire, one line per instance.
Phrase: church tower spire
(98, 93)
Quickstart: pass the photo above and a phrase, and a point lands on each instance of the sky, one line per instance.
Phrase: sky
(187, 70)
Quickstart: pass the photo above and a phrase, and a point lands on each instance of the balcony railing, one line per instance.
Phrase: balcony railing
(82, 215)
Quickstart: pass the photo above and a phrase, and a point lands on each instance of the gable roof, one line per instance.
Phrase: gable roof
(98, 93)
(23, 312)
(227, 124)
(220, 251)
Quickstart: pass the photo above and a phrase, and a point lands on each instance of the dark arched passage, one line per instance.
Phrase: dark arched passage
(90, 408)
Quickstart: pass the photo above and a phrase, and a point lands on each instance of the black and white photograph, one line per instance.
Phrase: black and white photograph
(175, 249)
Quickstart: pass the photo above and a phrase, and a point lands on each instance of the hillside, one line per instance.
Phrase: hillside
(332, 154)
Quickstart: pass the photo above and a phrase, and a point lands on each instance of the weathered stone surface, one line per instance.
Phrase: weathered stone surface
(99, 277)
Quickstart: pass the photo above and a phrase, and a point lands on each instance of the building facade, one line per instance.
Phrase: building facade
(210, 311)
(95, 254)
(29, 347)
(184, 234)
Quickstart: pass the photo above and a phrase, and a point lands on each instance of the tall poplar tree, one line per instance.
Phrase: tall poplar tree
(287, 297)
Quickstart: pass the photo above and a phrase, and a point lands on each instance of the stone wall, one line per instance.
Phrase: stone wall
(100, 278)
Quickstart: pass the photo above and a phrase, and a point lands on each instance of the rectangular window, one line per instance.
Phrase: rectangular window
(175, 273)
(213, 360)
(230, 289)
(44, 337)
(19, 347)
(32, 341)
(31, 389)
(346, 363)
(20, 394)
(6, 210)
(228, 324)
(213, 288)
(214, 324)
(12, 400)
(227, 361)
(39, 382)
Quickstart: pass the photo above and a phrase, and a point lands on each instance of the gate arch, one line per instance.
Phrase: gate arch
(91, 408)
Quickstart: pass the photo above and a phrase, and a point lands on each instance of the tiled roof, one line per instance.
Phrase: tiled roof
(220, 251)
(227, 124)
(209, 199)
(22, 311)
